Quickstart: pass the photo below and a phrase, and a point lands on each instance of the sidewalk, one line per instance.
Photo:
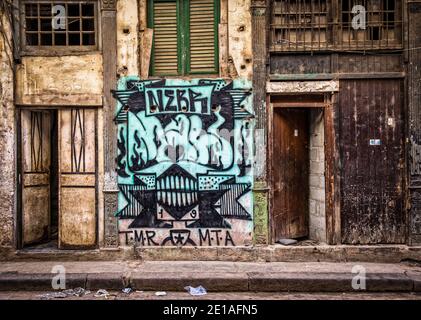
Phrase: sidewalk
(214, 276)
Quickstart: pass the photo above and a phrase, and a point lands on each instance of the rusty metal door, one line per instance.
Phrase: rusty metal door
(372, 153)
(77, 178)
(34, 178)
(290, 173)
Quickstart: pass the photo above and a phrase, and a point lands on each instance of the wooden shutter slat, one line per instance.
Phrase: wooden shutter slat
(165, 38)
(202, 36)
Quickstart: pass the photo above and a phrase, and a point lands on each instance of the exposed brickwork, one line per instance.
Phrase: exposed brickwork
(316, 178)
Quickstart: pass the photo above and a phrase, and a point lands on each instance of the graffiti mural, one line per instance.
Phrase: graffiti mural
(184, 162)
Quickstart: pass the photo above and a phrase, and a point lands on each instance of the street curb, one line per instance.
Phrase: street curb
(37, 281)
(177, 281)
(216, 282)
(109, 281)
(327, 282)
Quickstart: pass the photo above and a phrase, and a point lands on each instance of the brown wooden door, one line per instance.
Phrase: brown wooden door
(77, 178)
(290, 173)
(372, 156)
(35, 175)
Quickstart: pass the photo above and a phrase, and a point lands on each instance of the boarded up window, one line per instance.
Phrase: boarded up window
(185, 36)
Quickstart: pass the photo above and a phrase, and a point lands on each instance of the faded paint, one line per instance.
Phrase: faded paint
(127, 37)
(240, 37)
(260, 218)
(7, 139)
(236, 32)
(77, 162)
(185, 162)
(58, 81)
(302, 86)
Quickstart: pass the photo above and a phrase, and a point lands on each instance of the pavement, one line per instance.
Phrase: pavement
(215, 276)
(252, 296)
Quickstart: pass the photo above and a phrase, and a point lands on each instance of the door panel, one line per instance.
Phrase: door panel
(77, 163)
(36, 159)
(290, 173)
(372, 175)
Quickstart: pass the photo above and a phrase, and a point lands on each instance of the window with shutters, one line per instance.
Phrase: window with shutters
(185, 37)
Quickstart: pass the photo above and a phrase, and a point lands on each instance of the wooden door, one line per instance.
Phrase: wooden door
(35, 175)
(372, 154)
(290, 166)
(77, 178)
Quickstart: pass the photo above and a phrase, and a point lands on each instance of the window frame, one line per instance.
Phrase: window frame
(43, 50)
(183, 39)
(336, 29)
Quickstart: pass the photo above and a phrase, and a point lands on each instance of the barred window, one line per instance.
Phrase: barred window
(307, 25)
(59, 24)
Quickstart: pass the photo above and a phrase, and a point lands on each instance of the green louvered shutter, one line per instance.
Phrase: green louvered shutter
(203, 36)
(165, 38)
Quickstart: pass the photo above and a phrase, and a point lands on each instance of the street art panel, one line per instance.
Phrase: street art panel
(184, 162)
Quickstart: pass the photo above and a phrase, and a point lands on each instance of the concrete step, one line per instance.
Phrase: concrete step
(216, 281)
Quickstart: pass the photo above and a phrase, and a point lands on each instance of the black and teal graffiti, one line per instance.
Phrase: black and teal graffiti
(184, 161)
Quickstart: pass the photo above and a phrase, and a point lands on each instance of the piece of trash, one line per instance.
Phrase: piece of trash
(139, 291)
(198, 291)
(53, 295)
(101, 293)
(127, 290)
(160, 293)
(287, 242)
(78, 292)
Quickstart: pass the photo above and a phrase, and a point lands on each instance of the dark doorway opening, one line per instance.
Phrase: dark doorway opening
(298, 174)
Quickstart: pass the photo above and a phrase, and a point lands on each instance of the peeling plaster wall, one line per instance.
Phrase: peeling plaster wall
(239, 37)
(65, 80)
(127, 37)
(7, 129)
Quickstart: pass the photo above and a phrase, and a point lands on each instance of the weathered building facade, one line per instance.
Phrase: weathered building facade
(209, 123)
(346, 89)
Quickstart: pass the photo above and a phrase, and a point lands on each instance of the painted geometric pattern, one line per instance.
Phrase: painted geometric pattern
(184, 156)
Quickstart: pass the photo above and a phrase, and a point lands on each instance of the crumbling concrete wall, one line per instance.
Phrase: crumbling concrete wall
(7, 129)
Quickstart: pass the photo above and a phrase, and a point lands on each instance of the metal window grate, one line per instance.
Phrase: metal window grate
(299, 25)
(383, 25)
(311, 25)
(80, 24)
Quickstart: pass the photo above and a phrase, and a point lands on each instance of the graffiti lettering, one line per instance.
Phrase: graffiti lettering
(184, 163)
(177, 100)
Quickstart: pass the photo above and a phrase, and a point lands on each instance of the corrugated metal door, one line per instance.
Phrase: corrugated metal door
(372, 154)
